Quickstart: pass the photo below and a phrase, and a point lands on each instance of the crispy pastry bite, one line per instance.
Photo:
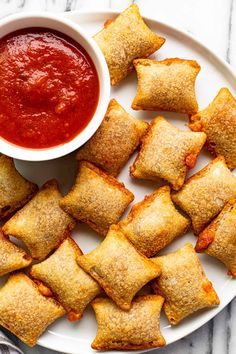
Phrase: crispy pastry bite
(73, 288)
(41, 224)
(12, 257)
(124, 39)
(24, 310)
(139, 328)
(15, 190)
(97, 199)
(205, 193)
(218, 121)
(114, 141)
(167, 153)
(119, 268)
(154, 223)
(166, 85)
(219, 238)
(183, 284)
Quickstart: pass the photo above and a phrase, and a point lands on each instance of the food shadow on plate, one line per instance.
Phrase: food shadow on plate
(86, 238)
(63, 169)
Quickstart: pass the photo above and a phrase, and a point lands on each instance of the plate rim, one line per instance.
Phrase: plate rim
(148, 18)
(226, 66)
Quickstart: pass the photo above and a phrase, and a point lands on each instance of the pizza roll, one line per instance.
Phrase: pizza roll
(114, 141)
(96, 198)
(12, 257)
(166, 85)
(205, 193)
(139, 328)
(183, 284)
(73, 288)
(119, 268)
(124, 39)
(41, 224)
(167, 153)
(24, 311)
(219, 238)
(15, 190)
(154, 223)
(218, 121)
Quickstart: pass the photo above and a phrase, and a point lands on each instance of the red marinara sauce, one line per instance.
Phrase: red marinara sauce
(49, 88)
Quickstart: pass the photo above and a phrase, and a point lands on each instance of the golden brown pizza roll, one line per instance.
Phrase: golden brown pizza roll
(114, 141)
(218, 121)
(119, 268)
(73, 288)
(12, 257)
(154, 223)
(41, 224)
(219, 238)
(124, 39)
(97, 199)
(138, 328)
(205, 193)
(166, 85)
(24, 310)
(167, 153)
(15, 190)
(183, 284)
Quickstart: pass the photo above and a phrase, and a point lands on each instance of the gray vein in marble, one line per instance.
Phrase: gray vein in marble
(228, 53)
(21, 4)
(73, 6)
(228, 329)
(190, 349)
(210, 337)
(4, 349)
(70, 4)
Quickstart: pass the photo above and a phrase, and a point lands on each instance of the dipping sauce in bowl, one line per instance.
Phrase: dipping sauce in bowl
(49, 88)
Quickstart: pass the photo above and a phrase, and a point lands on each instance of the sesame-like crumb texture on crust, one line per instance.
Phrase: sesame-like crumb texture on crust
(125, 39)
(154, 223)
(24, 311)
(73, 288)
(41, 224)
(204, 194)
(12, 257)
(166, 85)
(119, 268)
(15, 190)
(167, 153)
(219, 238)
(97, 199)
(114, 141)
(218, 121)
(183, 284)
(138, 328)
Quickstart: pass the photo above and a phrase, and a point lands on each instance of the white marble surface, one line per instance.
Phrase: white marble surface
(214, 23)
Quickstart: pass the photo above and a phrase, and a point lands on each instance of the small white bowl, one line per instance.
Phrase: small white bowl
(71, 29)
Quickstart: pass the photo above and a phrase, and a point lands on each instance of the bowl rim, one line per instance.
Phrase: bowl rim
(30, 154)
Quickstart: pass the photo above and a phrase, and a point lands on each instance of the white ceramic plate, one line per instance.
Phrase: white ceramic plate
(215, 73)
